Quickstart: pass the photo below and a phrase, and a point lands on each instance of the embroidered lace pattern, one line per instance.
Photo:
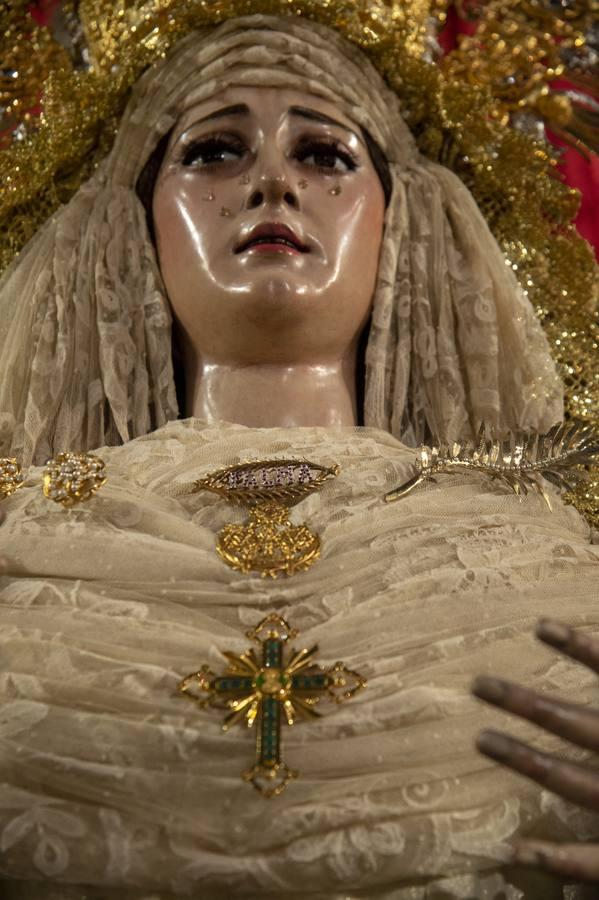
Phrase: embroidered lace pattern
(114, 787)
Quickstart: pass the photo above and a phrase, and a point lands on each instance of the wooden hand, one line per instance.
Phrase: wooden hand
(3, 562)
(576, 782)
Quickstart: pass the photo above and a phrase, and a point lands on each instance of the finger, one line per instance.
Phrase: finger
(578, 724)
(576, 644)
(572, 781)
(3, 561)
(578, 861)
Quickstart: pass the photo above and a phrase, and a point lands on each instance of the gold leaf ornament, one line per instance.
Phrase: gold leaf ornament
(517, 461)
(268, 542)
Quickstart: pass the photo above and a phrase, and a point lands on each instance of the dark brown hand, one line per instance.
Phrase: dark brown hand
(3, 563)
(576, 782)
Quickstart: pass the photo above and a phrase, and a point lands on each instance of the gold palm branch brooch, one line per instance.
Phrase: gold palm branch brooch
(517, 461)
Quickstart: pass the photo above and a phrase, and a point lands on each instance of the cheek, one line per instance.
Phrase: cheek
(182, 224)
(360, 230)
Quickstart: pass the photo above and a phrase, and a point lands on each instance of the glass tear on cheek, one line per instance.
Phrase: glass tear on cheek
(335, 190)
(303, 183)
(225, 212)
(208, 196)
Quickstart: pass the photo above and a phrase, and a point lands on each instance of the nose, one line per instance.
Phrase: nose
(272, 190)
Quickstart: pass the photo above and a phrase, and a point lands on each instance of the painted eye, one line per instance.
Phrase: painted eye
(210, 153)
(329, 153)
(204, 154)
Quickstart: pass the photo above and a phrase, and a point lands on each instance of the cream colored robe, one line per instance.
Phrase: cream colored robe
(110, 779)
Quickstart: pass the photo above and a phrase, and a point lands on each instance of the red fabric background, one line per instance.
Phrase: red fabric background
(577, 171)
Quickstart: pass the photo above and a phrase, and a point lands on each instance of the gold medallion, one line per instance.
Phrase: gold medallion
(268, 692)
(268, 543)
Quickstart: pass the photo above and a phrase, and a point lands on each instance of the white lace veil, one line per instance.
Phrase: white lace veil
(85, 325)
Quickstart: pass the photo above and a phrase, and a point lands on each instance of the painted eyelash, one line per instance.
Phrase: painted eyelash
(307, 145)
(212, 142)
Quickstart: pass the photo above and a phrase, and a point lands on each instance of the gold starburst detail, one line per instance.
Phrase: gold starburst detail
(267, 692)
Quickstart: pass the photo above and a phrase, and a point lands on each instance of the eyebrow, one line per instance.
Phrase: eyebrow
(242, 109)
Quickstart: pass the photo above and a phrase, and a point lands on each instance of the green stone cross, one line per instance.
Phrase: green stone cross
(267, 692)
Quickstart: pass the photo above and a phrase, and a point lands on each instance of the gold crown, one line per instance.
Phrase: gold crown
(481, 110)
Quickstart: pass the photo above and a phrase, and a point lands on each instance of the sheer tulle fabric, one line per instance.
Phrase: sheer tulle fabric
(85, 337)
(113, 781)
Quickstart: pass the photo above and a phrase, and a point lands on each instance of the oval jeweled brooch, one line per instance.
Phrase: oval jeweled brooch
(268, 543)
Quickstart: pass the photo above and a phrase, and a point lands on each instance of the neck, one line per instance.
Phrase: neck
(267, 395)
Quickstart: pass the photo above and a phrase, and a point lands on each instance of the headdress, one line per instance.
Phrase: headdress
(447, 325)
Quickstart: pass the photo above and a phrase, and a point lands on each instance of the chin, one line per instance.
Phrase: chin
(267, 306)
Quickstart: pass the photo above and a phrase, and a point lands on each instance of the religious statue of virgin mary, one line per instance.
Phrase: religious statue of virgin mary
(267, 266)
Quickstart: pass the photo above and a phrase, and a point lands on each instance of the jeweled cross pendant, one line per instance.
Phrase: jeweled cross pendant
(267, 692)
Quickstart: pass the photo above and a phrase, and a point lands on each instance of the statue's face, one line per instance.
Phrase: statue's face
(268, 165)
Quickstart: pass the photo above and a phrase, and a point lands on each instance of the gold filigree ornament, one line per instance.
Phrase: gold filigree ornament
(268, 543)
(71, 478)
(11, 476)
(268, 692)
(517, 461)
